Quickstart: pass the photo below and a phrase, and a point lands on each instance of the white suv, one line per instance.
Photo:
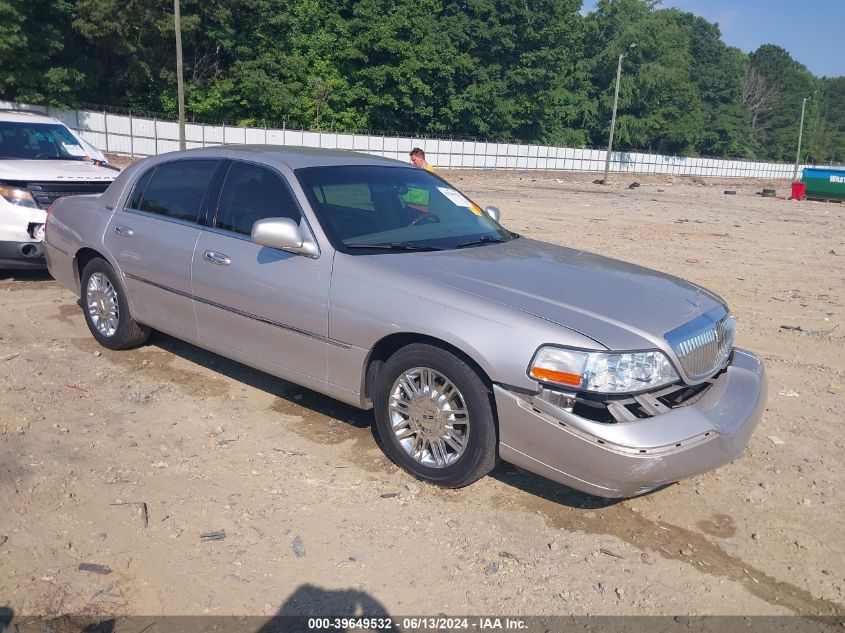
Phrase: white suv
(40, 160)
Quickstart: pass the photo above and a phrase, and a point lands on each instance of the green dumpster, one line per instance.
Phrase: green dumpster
(824, 183)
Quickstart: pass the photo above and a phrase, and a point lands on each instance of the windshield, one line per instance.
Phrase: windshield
(397, 208)
(39, 141)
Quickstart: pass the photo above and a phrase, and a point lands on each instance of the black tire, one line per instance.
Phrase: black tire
(128, 332)
(480, 453)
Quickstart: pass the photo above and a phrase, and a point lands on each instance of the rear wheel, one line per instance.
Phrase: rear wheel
(434, 416)
(106, 308)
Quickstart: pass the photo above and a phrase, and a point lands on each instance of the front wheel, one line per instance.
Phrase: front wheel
(434, 416)
(106, 308)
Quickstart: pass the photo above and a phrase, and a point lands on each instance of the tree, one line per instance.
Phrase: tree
(659, 104)
(793, 82)
(38, 60)
(828, 123)
(128, 44)
(715, 72)
(533, 70)
(760, 97)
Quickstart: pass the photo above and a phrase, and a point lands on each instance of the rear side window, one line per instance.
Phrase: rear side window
(176, 190)
(253, 193)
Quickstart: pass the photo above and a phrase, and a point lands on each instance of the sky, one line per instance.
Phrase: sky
(812, 30)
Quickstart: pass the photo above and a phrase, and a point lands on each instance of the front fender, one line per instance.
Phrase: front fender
(369, 302)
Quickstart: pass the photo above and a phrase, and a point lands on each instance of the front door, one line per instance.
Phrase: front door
(266, 303)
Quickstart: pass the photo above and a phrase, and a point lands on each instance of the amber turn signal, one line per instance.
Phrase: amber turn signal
(560, 377)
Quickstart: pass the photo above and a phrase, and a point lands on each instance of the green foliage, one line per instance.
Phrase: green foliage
(533, 70)
(34, 65)
(794, 82)
(827, 124)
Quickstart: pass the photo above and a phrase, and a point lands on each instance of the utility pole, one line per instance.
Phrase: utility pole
(800, 135)
(613, 118)
(180, 81)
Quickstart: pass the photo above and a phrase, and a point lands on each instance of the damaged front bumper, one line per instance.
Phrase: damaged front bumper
(21, 244)
(22, 255)
(628, 458)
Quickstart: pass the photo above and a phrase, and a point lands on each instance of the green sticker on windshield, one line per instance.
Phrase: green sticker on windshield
(417, 196)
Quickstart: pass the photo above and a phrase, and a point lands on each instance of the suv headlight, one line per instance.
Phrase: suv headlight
(18, 196)
(602, 372)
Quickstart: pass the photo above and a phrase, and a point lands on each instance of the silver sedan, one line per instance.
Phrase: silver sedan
(385, 287)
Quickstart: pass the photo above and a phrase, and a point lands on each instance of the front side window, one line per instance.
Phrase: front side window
(352, 195)
(39, 141)
(253, 193)
(176, 190)
(370, 206)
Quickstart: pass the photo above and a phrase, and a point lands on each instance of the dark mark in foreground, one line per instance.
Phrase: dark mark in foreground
(103, 570)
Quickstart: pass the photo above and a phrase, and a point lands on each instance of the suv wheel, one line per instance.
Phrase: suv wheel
(434, 416)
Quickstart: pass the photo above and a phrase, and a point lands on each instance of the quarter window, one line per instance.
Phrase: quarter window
(138, 191)
(253, 193)
(176, 190)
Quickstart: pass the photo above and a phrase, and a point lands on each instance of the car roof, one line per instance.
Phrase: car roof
(293, 157)
(25, 116)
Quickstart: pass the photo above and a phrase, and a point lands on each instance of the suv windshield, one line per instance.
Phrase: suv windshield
(400, 209)
(39, 141)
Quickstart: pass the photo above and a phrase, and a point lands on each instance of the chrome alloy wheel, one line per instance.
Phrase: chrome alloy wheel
(429, 417)
(103, 309)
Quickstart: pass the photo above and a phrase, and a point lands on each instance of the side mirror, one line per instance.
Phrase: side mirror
(282, 233)
(493, 212)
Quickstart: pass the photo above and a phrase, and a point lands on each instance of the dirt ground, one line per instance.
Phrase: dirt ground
(317, 520)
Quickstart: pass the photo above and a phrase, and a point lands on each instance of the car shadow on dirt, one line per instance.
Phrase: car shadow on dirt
(543, 488)
(8, 275)
(267, 383)
(346, 414)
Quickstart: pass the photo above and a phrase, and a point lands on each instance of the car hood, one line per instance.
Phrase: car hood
(617, 304)
(55, 170)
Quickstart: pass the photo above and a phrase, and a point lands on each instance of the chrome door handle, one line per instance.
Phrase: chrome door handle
(216, 258)
(125, 231)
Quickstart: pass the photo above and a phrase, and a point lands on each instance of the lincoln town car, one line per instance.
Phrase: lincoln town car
(385, 287)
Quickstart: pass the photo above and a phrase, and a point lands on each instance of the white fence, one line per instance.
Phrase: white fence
(139, 136)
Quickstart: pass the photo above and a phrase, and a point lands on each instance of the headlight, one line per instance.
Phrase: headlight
(18, 196)
(602, 372)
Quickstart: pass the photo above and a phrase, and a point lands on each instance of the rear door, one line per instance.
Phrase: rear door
(153, 238)
(263, 302)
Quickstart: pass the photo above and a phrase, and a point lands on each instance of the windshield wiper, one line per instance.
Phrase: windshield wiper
(397, 246)
(484, 239)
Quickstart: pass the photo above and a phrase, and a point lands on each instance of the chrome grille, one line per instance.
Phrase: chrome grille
(704, 344)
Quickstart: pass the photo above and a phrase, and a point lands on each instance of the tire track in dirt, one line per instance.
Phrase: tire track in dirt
(619, 520)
